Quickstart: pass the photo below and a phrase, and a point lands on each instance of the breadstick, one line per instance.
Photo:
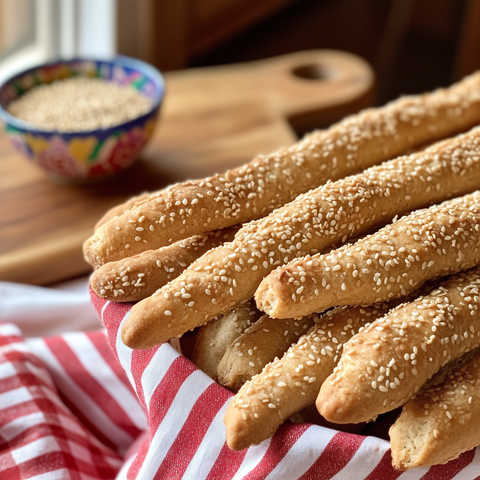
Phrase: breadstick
(215, 337)
(442, 421)
(291, 383)
(313, 222)
(122, 208)
(393, 262)
(387, 363)
(268, 182)
(260, 344)
(138, 277)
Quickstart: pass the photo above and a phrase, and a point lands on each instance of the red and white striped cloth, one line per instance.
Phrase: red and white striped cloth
(71, 407)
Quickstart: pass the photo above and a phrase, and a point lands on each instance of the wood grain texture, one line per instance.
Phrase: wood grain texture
(212, 119)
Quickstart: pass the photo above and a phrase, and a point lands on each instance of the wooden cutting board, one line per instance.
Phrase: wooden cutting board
(212, 119)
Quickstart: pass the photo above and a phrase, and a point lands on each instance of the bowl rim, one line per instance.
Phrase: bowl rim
(122, 60)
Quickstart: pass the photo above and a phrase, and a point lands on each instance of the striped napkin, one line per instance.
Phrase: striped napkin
(81, 405)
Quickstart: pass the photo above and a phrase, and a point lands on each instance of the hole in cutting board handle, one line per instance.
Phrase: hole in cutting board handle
(311, 72)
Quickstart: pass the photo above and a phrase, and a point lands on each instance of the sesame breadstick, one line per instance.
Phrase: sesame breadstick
(387, 363)
(258, 345)
(392, 262)
(291, 383)
(443, 420)
(215, 337)
(138, 277)
(315, 221)
(270, 181)
(122, 208)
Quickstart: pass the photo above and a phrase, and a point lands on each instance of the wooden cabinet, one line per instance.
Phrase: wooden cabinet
(168, 33)
(400, 38)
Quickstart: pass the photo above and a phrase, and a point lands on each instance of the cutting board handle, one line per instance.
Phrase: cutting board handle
(315, 88)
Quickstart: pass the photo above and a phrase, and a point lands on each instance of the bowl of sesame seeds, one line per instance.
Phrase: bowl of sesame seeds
(82, 120)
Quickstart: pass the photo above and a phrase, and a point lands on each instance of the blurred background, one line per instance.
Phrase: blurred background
(413, 45)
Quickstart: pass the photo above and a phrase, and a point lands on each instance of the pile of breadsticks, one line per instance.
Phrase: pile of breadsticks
(342, 271)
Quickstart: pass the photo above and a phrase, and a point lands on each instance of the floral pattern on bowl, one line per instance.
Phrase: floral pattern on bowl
(84, 156)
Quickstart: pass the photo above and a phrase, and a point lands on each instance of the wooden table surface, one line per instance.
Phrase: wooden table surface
(212, 119)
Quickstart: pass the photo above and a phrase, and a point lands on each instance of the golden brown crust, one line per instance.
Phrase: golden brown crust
(225, 276)
(268, 182)
(387, 363)
(122, 208)
(393, 262)
(135, 278)
(187, 301)
(442, 421)
(257, 346)
(313, 222)
(291, 383)
(214, 338)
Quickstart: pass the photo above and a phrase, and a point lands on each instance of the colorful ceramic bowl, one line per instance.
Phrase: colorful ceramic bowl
(88, 155)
